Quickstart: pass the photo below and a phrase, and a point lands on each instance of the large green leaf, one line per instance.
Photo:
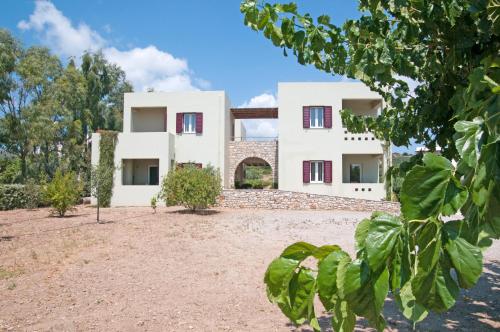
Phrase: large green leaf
(431, 189)
(409, 306)
(486, 188)
(365, 291)
(469, 134)
(299, 251)
(278, 275)
(432, 285)
(300, 304)
(434, 288)
(343, 318)
(467, 261)
(360, 235)
(383, 234)
(327, 278)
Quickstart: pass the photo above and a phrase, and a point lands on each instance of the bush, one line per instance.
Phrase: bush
(63, 192)
(17, 196)
(191, 187)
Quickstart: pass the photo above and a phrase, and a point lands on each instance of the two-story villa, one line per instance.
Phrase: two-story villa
(313, 152)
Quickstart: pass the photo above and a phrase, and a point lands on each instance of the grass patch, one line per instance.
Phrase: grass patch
(10, 273)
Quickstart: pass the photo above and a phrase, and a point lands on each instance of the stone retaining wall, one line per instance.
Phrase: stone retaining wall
(279, 199)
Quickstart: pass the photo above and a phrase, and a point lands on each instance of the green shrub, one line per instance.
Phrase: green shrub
(63, 192)
(107, 147)
(154, 201)
(191, 187)
(17, 196)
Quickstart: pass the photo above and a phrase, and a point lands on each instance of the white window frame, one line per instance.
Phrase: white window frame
(149, 175)
(189, 127)
(316, 165)
(314, 117)
(360, 172)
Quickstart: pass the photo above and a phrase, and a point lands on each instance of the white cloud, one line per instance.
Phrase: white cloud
(263, 100)
(57, 31)
(150, 67)
(261, 127)
(146, 67)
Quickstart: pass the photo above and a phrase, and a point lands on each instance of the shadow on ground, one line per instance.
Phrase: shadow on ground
(196, 212)
(477, 309)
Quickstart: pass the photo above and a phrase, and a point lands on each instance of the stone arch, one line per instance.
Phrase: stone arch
(239, 151)
(250, 161)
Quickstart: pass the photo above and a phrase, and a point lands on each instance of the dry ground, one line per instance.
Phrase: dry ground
(172, 271)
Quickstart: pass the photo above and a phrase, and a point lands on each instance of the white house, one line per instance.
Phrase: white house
(313, 152)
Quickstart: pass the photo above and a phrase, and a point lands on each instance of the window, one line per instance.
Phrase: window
(316, 172)
(355, 173)
(189, 126)
(316, 117)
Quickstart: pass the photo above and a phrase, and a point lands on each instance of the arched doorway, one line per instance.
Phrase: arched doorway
(254, 173)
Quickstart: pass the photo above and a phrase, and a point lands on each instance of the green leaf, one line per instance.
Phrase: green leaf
(409, 306)
(434, 288)
(431, 189)
(300, 304)
(382, 236)
(467, 261)
(360, 234)
(468, 140)
(486, 188)
(343, 318)
(365, 291)
(278, 275)
(327, 278)
(299, 251)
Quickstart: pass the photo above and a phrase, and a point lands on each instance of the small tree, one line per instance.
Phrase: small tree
(101, 180)
(154, 201)
(63, 192)
(191, 187)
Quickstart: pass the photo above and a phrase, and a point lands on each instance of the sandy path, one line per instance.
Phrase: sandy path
(172, 271)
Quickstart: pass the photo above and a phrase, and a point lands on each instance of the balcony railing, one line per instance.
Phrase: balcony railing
(253, 139)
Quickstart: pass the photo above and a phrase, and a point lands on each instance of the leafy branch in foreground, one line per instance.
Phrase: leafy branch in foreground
(450, 210)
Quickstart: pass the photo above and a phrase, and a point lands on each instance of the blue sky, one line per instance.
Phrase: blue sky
(173, 45)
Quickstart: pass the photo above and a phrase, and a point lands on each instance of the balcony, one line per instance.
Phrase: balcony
(149, 119)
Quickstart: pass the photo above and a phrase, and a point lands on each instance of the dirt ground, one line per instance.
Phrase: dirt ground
(173, 271)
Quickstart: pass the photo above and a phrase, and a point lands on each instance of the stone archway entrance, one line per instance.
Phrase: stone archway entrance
(252, 153)
(254, 173)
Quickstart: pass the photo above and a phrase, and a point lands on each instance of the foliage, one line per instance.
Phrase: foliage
(102, 180)
(10, 170)
(48, 110)
(449, 51)
(107, 145)
(154, 201)
(63, 192)
(191, 187)
(18, 196)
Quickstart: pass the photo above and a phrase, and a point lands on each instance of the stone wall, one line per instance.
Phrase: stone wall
(279, 199)
(241, 150)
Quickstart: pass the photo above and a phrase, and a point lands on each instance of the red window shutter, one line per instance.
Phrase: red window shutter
(178, 122)
(306, 116)
(199, 123)
(327, 164)
(306, 171)
(328, 116)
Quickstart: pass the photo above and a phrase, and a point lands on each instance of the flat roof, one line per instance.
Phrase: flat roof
(255, 113)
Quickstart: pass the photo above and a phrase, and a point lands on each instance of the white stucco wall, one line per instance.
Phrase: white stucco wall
(297, 144)
(210, 147)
